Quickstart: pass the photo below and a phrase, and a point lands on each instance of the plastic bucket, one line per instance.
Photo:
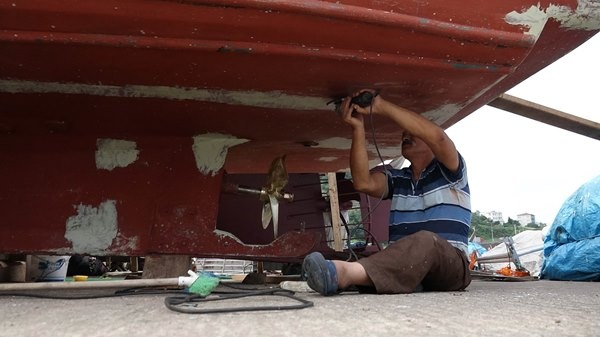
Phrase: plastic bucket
(47, 268)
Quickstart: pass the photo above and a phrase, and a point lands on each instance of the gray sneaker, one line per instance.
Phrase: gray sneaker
(321, 275)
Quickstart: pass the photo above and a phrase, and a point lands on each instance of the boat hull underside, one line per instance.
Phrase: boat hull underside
(121, 120)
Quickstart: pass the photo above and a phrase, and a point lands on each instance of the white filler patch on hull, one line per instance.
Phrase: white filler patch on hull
(210, 151)
(93, 229)
(113, 153)
(585, 17)
(337, 143)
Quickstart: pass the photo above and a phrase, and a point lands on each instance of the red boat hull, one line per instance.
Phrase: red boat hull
(138, 111)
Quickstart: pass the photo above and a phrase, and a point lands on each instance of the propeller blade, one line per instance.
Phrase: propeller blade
(267, 215)
(275, 213)
(277, 178)
(270, 212)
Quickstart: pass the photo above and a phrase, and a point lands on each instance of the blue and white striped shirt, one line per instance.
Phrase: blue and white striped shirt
(438, 202)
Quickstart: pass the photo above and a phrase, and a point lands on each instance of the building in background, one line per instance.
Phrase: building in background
(526, 218)
(494, 216)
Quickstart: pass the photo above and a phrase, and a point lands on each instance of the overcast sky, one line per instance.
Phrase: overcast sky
(518, 165)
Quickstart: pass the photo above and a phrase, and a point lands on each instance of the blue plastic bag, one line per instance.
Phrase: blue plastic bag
(572, 246)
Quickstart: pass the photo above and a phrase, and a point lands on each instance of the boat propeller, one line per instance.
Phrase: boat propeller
(271, 193)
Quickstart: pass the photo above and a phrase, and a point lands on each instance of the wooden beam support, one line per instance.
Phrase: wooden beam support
(334, 205)
(547, 115)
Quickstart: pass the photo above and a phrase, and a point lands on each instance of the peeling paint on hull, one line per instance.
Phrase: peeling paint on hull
(262, 99)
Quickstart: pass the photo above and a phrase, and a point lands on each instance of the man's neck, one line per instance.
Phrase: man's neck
(419, 165)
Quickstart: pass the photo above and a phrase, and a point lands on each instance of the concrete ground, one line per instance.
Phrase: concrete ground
(487, 308)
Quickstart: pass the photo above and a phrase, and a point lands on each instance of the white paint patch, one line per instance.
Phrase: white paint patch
(440, 115)
(585, 17)
(210, 151)
(113, 153)
(443, 113)
(534, 18)
(386, 152)
(262, 99)
(223, 234)
(93, 229)
(337, 143)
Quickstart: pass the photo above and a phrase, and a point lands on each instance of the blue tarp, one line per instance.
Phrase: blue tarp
(476, 246)
(572, 246)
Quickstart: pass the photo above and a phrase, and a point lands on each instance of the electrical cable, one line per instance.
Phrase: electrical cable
(118, 293)
(387, 173)
(371, 210)
(189, 304)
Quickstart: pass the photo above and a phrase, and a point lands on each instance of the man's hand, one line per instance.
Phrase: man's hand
(373, 184)
(349, 115)
(353, 114)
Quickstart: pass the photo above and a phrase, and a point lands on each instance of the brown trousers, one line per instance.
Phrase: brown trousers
(421, 259)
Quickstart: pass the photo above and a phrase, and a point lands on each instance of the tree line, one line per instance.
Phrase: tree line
(490, 231)
(481, 226)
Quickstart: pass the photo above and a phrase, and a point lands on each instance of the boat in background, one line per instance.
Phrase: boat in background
(121, 121)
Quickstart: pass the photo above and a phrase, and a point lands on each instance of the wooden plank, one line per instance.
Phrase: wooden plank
(547, 115)
(334, 205)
